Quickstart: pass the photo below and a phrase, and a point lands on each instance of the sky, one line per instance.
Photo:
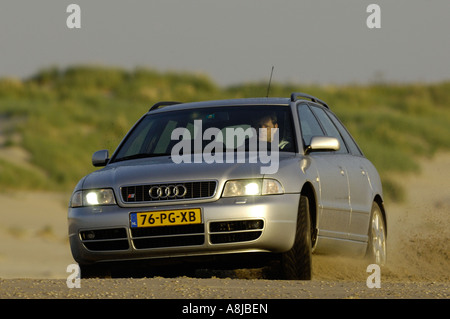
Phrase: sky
(233, 41)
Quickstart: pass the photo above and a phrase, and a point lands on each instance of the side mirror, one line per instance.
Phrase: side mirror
(323, 144)
(100, 158)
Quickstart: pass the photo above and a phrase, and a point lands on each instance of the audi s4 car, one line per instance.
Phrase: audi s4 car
(229, 182)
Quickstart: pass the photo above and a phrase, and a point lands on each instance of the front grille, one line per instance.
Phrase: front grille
(167, 230)
(194, 190)
(235, 231)
(105, 239)
(160, 242)
(168, 236)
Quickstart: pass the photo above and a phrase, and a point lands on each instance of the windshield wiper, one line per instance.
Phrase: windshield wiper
(140, 155)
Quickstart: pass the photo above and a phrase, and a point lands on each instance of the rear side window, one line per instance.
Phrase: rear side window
(351, 144)
(330, 128)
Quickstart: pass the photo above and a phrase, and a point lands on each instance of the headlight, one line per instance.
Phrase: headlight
(93, 197)
(251, 187)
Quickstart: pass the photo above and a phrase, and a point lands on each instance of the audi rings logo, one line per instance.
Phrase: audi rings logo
(170, 191)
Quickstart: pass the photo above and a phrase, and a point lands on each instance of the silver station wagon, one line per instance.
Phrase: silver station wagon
(230, 183)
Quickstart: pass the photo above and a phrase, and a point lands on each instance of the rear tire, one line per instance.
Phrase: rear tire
(296, 264)
(376, 248)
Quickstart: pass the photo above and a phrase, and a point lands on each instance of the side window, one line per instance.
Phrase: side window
(353, 147)
(330, 128)
(309, 125)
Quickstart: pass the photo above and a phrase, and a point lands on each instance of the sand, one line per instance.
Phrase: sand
(33, 234)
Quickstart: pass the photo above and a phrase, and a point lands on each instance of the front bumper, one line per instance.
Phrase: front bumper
(256, 224)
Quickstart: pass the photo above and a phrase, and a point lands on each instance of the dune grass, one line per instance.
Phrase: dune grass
(63, 116)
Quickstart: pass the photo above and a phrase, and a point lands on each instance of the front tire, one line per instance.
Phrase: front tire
(296, 264)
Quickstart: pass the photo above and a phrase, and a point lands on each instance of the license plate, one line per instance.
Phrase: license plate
(166, 218)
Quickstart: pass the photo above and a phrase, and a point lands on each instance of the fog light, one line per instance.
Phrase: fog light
(88, 235)
(255, 224)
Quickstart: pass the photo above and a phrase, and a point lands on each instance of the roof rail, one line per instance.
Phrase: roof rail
(295, 96)
(163, 103)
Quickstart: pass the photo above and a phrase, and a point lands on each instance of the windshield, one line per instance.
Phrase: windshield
(215, 129)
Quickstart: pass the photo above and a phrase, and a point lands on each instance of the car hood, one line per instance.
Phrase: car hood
(164, 170)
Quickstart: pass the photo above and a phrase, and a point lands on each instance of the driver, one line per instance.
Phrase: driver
(270, 124)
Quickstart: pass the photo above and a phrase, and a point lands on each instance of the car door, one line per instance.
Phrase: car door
(334, 206)
(361, 193)
(360, 199)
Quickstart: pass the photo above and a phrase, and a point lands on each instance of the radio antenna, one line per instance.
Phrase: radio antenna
(270, 81)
